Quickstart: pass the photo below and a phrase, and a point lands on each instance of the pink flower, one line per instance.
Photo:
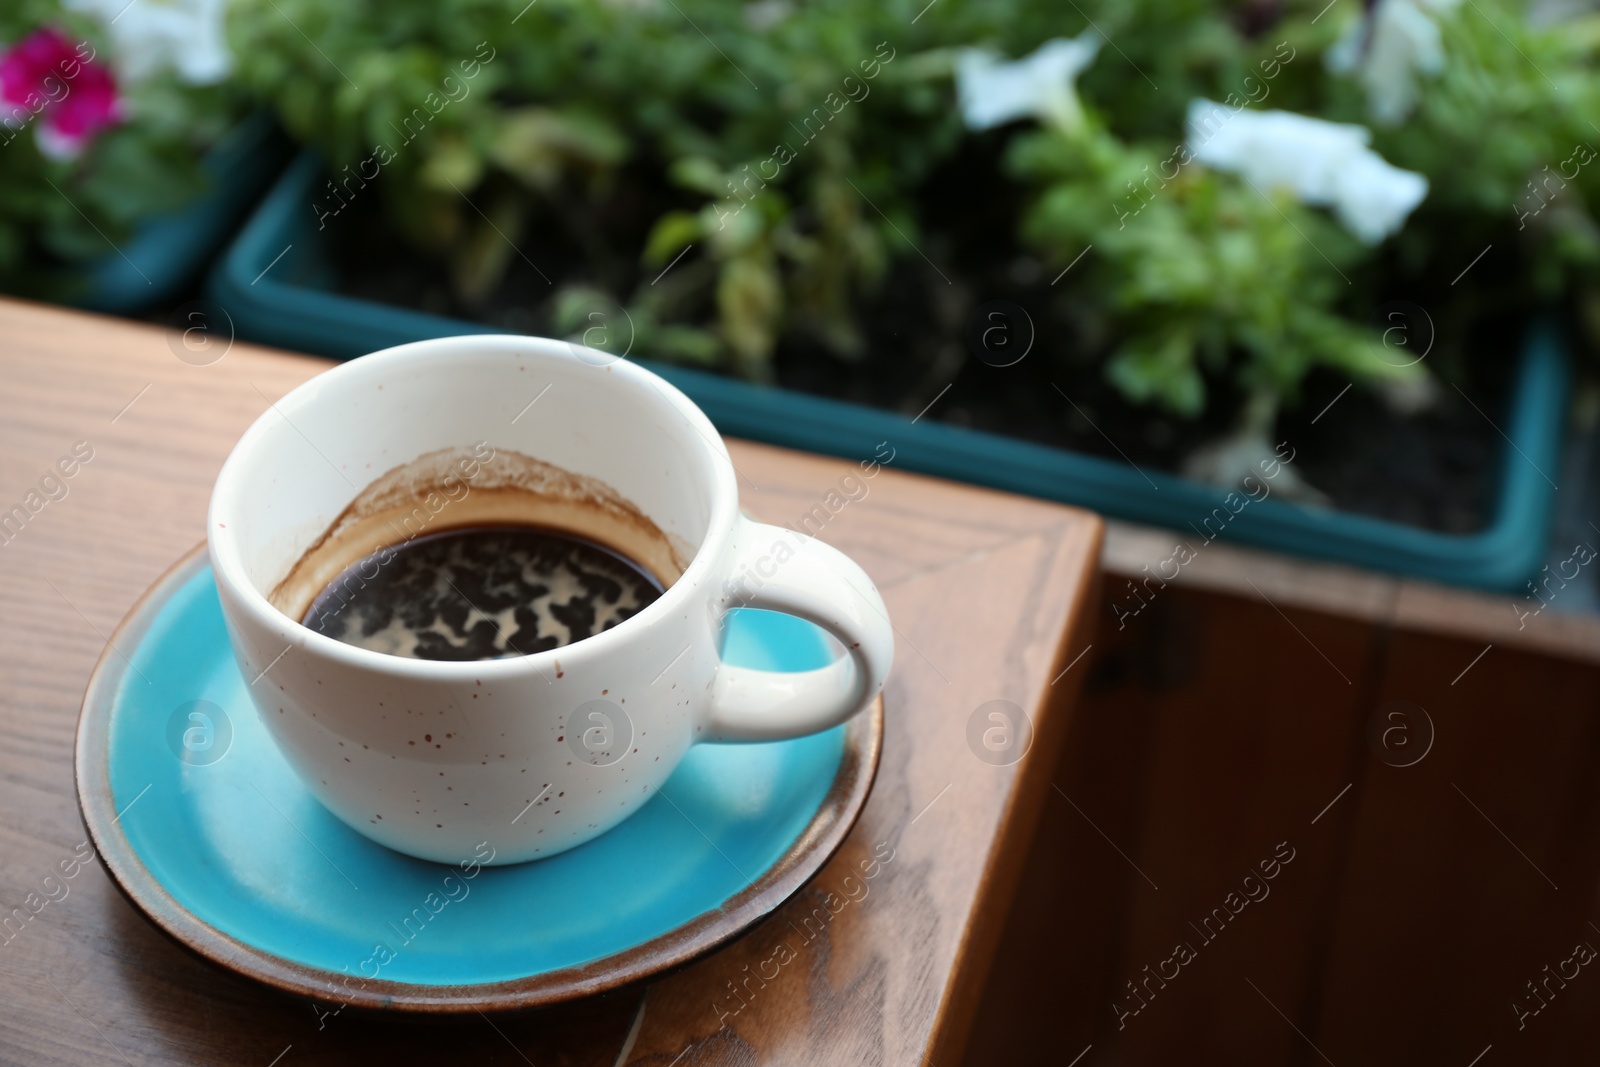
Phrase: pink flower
(45, 76)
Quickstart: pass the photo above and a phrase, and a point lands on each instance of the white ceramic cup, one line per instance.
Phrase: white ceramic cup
(433, 758)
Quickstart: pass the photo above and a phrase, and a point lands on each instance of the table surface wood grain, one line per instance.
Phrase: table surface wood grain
(989, 594)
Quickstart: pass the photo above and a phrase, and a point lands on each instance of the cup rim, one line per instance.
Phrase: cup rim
(227, 562)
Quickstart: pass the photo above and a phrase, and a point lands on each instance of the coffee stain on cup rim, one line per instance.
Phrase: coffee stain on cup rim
(460, 487)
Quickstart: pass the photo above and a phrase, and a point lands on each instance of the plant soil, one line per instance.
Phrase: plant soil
(1438, 470)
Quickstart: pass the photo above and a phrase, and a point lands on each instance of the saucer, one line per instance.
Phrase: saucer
(208, 832)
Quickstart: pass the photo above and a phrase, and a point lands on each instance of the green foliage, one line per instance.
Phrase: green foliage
(1492, 133)
(1204, 269)
(741, 115)
(1208, 273)
(791, 144)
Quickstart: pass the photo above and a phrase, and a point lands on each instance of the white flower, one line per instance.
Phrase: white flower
(1327, 164)
(994, 91)
(1387, 49)
(149, 35)
(762, 15)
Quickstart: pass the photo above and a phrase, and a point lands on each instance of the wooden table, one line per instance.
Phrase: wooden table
(989, 594)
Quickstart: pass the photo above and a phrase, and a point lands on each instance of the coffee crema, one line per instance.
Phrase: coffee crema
(483, 592)
(480, 554)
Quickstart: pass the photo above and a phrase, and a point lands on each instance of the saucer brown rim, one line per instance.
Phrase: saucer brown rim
(817, 844)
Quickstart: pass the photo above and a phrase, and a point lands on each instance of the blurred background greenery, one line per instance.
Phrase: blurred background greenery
(849, 208)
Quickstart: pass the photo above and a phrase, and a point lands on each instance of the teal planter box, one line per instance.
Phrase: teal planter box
(172, 250)
(290, 305)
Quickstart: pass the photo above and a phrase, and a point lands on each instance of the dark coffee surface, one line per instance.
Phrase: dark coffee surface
(481, 593)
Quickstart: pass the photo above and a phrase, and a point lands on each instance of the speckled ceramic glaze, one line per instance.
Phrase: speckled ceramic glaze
(531, 755)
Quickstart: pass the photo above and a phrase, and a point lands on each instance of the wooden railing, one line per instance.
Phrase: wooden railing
(1258, 706)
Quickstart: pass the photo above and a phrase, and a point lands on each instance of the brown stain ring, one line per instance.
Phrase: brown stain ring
(434, 493)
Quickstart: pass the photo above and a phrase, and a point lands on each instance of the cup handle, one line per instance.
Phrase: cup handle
(822, 585)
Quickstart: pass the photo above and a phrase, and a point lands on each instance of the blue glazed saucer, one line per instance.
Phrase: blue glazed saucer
(208, 832)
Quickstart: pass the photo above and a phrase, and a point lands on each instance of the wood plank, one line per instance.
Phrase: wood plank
(1415, 922)
(1403, 603)
(1047, 997)
(1224, 567)
(1473, 869)
(1241, 763)
(1211, 739)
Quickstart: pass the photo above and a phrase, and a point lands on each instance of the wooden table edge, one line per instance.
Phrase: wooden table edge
(1007, 855)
